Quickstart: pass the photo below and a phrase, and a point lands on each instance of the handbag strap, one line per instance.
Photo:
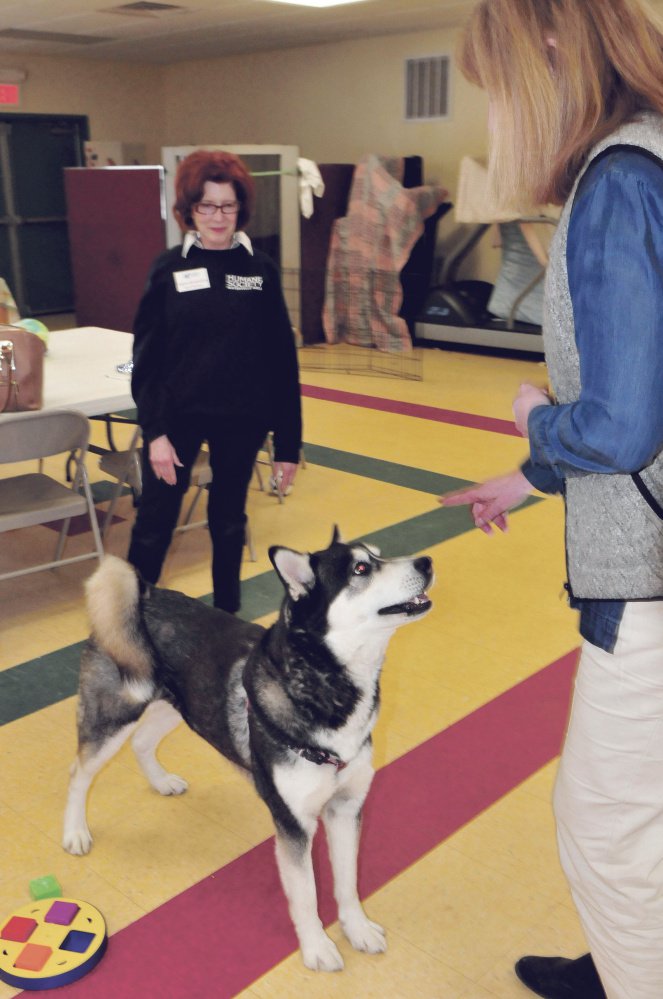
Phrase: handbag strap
(8, 373)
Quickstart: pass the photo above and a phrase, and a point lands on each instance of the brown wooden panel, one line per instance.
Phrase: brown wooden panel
(115, 232)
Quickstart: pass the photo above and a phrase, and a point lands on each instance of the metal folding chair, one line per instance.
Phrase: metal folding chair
(124, 467)
(37, 498)
(266, 457)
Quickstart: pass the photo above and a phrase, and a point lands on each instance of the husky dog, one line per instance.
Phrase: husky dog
(294, 704)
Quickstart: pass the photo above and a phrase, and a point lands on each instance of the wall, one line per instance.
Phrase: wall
(104, 91)
(336, 102)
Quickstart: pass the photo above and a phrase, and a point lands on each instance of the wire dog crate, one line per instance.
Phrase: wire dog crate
(347, 358)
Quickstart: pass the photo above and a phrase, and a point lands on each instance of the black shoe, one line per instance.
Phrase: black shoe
(560, 978)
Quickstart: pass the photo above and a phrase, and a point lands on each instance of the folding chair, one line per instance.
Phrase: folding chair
(266, 457)
(123, 466)
(36, 498)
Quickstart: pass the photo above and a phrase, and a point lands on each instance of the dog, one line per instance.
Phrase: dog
(293, 705)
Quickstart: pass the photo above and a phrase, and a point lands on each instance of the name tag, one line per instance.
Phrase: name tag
(192, 280)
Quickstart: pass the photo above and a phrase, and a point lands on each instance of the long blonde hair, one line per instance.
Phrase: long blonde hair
(560, 76)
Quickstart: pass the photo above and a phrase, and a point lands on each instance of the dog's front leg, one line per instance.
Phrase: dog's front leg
(342, 821)
(293, 856)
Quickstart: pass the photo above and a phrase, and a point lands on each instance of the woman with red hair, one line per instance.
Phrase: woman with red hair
(214, 360)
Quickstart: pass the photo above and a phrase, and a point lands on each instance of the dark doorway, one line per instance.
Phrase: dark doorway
(34, 245)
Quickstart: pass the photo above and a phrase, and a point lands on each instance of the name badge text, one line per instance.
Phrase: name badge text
(192, 280)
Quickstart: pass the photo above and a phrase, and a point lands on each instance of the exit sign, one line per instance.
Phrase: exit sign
(9, 94)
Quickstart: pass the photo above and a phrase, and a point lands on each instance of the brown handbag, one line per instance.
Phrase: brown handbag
(21, 370)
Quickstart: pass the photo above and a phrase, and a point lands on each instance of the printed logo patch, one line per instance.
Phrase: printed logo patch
(235, 282)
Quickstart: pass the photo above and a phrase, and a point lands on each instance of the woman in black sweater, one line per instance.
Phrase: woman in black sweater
(214, 360)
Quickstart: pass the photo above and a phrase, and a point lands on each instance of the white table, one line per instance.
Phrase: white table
(80, 371)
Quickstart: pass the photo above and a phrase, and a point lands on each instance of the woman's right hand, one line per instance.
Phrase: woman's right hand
(163, 458)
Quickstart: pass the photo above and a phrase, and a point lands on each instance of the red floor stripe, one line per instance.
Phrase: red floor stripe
(220, 935)
(434, 413)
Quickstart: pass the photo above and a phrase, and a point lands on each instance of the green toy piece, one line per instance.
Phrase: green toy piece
(46, 887)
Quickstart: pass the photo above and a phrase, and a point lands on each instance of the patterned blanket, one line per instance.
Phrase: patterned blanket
(368, 249)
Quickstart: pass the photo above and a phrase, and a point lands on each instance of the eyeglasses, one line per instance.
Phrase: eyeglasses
(209, 208)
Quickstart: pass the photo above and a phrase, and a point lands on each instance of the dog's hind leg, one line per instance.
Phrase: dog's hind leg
(159, 719)
(77, 838)
(293, 856)
(342, 821)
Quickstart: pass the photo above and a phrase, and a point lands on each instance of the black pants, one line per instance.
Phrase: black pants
(233, 447)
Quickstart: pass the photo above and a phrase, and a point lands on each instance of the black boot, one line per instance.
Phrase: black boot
(228, 545)
(560, 978)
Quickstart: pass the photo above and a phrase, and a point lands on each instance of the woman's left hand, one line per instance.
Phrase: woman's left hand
(284, 473)
(528, 398)
(490, 501)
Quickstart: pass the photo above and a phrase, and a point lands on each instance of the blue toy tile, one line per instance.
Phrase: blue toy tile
(77, 941)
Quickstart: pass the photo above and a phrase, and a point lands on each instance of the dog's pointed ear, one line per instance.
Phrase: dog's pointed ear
(337, 538)
(294, 569)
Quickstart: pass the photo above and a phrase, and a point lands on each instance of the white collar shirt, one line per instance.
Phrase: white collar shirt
(193, 239)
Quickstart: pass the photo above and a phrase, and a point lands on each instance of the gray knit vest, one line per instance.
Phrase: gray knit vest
(614, 534)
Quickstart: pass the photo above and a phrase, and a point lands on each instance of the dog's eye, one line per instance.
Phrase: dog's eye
(362, 569)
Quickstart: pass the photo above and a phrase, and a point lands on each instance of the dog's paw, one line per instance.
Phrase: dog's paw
(322, 954)
(77, 841)
(365, 935)
(170, 784)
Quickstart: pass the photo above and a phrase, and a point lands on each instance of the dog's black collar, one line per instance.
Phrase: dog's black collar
(317, 756)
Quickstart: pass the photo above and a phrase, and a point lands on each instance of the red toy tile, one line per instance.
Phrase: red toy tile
(33, 957)
(19, 929)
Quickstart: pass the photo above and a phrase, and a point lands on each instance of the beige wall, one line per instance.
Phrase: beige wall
(336, 102)
(123, 101)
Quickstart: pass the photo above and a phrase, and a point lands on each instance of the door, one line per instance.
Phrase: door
(111, 258)
(34, 245)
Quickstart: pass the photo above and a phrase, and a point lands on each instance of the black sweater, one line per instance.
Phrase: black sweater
(223, 350)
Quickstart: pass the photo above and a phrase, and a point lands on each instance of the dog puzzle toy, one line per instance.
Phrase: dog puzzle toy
(51, 942)
(46, 887)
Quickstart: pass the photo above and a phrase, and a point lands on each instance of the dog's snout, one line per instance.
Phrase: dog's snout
(424, 565)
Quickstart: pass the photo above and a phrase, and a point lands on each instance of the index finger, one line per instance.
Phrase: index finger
(459, 497)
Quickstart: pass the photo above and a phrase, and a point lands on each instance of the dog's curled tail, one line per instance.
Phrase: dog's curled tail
(113, 595)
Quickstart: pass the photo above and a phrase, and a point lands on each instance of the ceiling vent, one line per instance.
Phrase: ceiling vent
(427, 88)
(144, 8)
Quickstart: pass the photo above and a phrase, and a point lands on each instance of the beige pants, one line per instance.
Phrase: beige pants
(609, 804)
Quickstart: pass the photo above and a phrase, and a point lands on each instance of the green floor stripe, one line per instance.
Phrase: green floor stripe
(383, 471)
(51, 678)
(39, 683)
(103, 490)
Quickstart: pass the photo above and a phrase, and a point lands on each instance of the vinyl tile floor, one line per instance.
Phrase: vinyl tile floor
(458, 859)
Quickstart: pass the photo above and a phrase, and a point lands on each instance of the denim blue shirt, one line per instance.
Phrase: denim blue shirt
(615, 268)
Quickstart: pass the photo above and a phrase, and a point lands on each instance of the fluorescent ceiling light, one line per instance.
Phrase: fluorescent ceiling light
(318, 3)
